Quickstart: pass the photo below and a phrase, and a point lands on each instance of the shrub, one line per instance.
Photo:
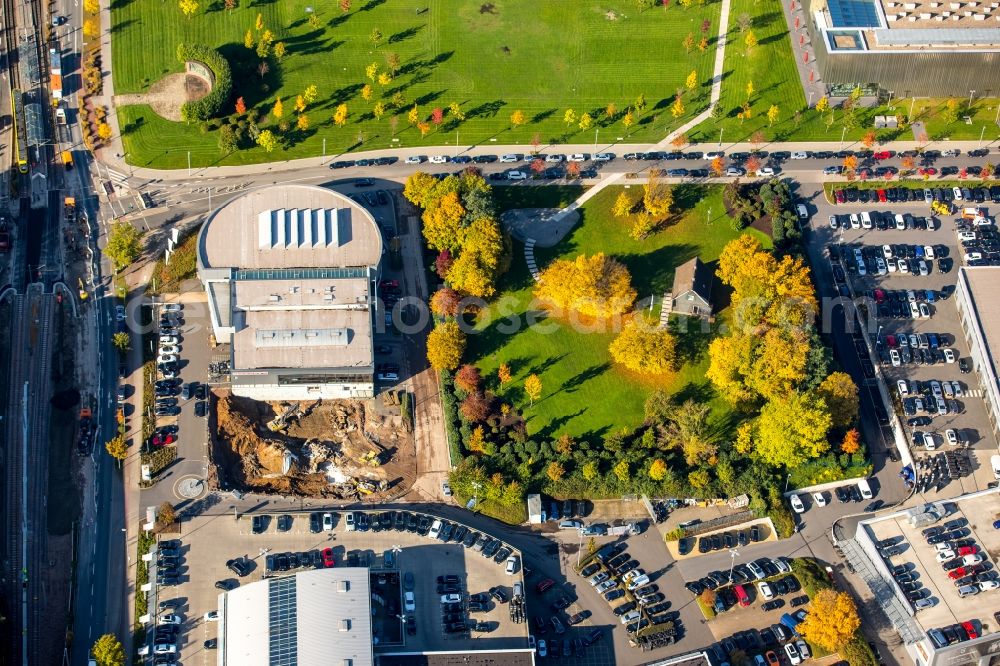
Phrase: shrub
(675, 534)
(210, 104)
(858, 652)
(811, 575)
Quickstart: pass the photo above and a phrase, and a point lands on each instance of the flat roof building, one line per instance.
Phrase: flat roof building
(314, 618)
(289, 271)
(909, 47)
(978, 300)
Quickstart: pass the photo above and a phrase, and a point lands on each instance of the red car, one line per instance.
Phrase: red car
(328, 561)
(970, 629)
(163, 440)
(968, 550)
(890, 340)
(955, 574)
(881, 196)
(839, 196)
(882, 155)
(929, 171)
(879, 295)
(772, 659)
(544, 585)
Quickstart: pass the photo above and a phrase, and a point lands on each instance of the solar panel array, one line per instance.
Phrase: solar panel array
(283, 622)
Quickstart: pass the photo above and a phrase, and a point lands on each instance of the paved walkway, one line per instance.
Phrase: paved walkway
(803, 52)
(113, 155)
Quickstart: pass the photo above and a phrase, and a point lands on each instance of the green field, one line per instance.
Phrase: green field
(584, 393)
(492, 58)
(772, 68)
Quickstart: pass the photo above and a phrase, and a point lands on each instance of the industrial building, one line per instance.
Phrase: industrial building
(290, 274)
(907, 48)
(316, 617)
(978, 300)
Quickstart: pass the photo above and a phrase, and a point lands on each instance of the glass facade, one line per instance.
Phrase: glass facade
(283, 622)
(302, 273)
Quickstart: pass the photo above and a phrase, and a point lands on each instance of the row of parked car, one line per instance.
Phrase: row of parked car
(727, 540)
(764, 647)
(850, 195)
(980, 244)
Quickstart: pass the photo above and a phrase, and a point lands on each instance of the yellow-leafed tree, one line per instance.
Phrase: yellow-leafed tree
(841, 396)
(445, 346)
(832, 620)
(596, 286)
(643, 347)
(478, 265)
(792, 430)
(443, 223)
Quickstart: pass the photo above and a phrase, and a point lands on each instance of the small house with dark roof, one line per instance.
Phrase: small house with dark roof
(692, 292)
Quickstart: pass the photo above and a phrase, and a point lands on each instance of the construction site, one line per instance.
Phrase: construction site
(339, 449)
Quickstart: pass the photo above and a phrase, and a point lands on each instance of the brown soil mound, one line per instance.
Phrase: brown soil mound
(169, 94)
(338, 448)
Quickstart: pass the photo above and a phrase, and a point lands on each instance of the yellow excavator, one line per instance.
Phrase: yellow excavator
(280, 422)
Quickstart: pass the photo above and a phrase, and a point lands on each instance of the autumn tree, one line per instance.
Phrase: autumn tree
(832, 620)
(455, 111)
(91, 6)
(503, 374)
(851, 443)
(823, 104)
(375, 37)
(90, 28)
(419, 189)
(718, 166)
(555, 470)
(628, 120)
(677, 108)
(468, 378)
(750, 41)
(442, 226)
(569, 117)
(692, 80)
(564, 444)
(279, 50)
(533, 387)
(392, 62)
(278, 110)
(610, 111)
(688, 42)
(596, 286)
(445, 346)
(241, 106)
(302, 123)
(108, 651)
(657, 470)
(445, 302)
(476, 407)
(752, 165)
(869, 139)
(122, 341)
(772, 114)
(517, 118)
(479, 264)
(840, 393)
(117, 448)
(104, 131)
(657, 197)
(267, 140)
(437, 116)
(345, 6)
(166, 515)
(792, 430)
(645, 348)
(623, 205)
(585, 121)
(340, 115)
(188, 7)
(476, 441)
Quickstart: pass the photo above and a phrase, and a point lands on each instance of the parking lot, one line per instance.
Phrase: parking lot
(209, 542)
(902, 262)
(971, 524)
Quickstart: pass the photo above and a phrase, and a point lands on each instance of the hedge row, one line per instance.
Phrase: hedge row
(450, 408)
(210, 104)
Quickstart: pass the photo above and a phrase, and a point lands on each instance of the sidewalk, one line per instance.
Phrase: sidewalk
(111, 156)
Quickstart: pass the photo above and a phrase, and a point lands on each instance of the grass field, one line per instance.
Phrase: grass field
(492, 58)
(584, 393)
(772, 68)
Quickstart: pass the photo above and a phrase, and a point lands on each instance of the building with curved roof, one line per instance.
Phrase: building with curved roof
(289, 271)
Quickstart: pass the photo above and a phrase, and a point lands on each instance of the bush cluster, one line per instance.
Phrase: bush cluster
(210, 104)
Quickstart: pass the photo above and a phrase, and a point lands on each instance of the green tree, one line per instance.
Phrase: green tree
(688, 429)
(124, 244)
(699, 479)
(121, 341)
(375, 37)
(108, 651)
(792, 430)
(267, 140)
(623, 471)
(591, 470)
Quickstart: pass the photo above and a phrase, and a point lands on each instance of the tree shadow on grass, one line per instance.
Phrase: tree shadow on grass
(547, 364)
(693, 336)
(573, 384)
(553, 427)
(654, 271)
(371, 4)
(403, 35)
(543, 115)
(247, 81)
(486, 110)
(119, 27)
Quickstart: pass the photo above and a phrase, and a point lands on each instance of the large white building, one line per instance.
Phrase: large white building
(978, 300)
(314, 618)
(290, 273)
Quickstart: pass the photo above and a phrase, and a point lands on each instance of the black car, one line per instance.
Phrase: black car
(499, 593)
(484, 159)
(694, 587)
(448, 588)
(772, 604)
(284, 522)
(754, 534)
(624, 608)
(615, 593)
(258, 524)
(842, 494)
(227, 584)
(561, 603)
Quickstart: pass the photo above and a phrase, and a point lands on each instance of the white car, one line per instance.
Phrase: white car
(936, 388)
(435, 529)
(903, 388)
(735, 171)
(834, 224)
(446, 489)
(169, 619)
(577, 157)
(797, 505)
(166, 358)
(945, 555)
(511, 565)
(328, 521)
(929, 251)
(988, 585)
(451, 598)
(756, 570)
(168, 340)
(604, 157)
(767, 171)
(887, 251)
(803, 649)
(765, 590)
(800, 155)
(957, 388)
(554, 159)
(949, 355)
(958, 193)
(951, 436)
(169, 349)
(638, 582)
(820, 499)
(969, 560)
(903, 266)
(630, 616)
(414, 159)
(509, 157)
(212, 616)
(793, 654)
(929, 442)
(409, 602)
(634, 573)
(165, 648)
(894, 357)
(172, 307)
(517, 175)
(439, 159)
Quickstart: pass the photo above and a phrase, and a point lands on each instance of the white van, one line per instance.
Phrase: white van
(995, 464)
(866, 490)
(966, 235)
(435, 529)
(517, 175)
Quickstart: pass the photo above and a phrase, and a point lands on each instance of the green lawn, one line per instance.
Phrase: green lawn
(491, 57)
(773, 70)
(584, 393)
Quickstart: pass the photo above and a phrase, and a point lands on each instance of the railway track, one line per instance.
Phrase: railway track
(13, 466)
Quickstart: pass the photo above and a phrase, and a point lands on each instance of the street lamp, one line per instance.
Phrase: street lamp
(971, 93)
(842, 137)
(787, 478)
(889, 103)
(733, 554)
